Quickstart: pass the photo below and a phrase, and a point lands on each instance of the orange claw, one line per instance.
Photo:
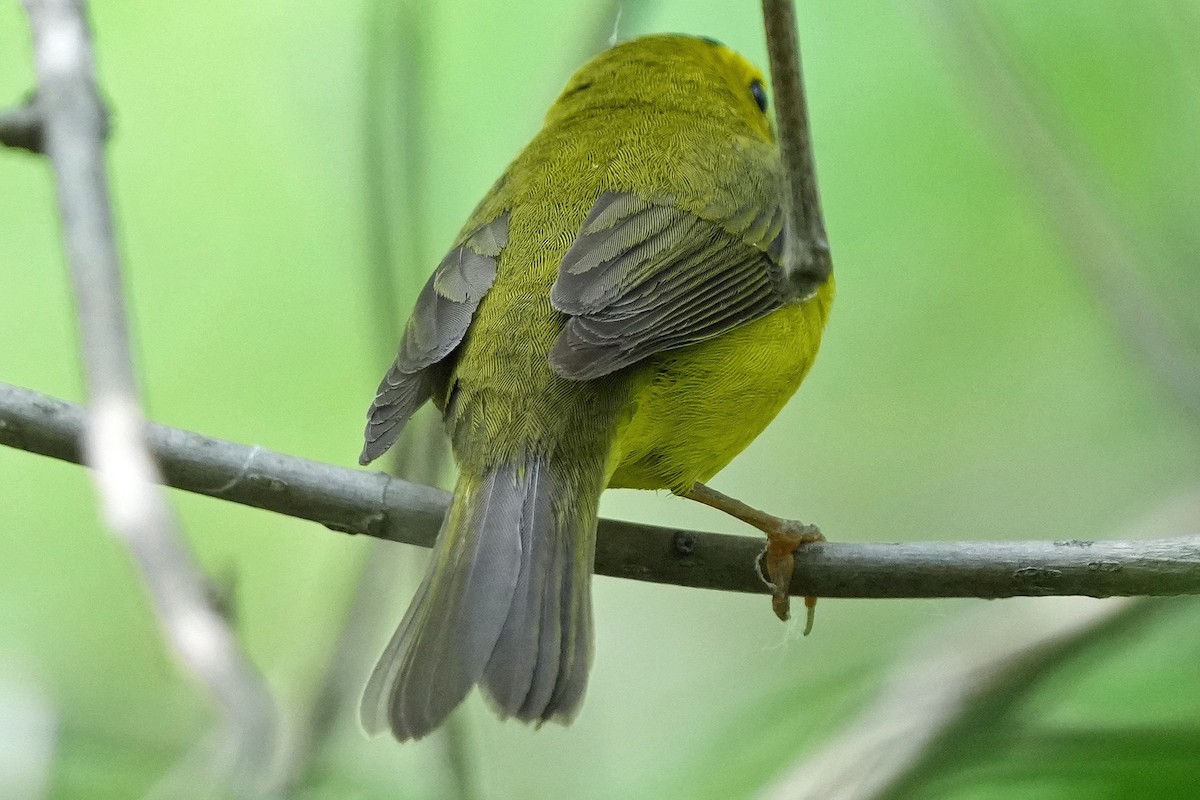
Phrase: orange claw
(780, 560)
(810, 603)
(784, 538)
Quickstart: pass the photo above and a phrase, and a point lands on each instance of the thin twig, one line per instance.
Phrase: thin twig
(358, 501)
(74, 125)
(958, 693)
(806, 256)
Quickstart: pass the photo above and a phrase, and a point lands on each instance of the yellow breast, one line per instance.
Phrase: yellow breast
(696, 408)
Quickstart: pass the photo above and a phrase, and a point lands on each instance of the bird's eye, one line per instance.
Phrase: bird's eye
(760, 94)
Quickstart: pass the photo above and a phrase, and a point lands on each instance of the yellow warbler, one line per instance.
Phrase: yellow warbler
(613, 314)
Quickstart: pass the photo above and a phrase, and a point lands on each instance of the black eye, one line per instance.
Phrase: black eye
(760, 94)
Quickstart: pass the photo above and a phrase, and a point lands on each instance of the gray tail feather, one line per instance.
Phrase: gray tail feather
(506, 603)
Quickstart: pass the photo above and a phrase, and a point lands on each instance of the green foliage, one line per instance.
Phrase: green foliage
(970, 385)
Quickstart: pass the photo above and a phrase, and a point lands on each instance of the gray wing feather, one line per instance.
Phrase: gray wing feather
(643, 277)
(443, 312)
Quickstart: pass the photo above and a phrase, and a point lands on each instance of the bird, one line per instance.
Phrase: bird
(615, 313)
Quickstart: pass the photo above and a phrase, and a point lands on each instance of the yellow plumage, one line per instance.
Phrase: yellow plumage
(694, 412)
(614, 313)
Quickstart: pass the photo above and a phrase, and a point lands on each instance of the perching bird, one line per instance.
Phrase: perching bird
(613, 314)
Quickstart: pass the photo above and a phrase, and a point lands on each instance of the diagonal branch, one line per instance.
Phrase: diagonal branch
(372, 503)
(807, 255)
(71, 128)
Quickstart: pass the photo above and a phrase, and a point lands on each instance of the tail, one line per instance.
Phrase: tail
(505, 603)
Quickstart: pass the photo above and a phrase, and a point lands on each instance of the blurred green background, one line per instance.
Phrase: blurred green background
(971, 386)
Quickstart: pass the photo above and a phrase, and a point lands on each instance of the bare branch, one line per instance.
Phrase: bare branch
(74, 124)
(357, 501)
(807, 255)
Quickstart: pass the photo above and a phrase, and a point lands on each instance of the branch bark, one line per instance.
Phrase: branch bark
(70, 122)
(372, 503)
(806, 256)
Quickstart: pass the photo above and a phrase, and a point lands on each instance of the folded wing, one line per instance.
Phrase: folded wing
(439, 321)
(644, 277)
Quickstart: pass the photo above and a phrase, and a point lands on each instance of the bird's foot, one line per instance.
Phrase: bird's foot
(784, 538)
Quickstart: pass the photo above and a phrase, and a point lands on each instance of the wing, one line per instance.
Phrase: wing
(644, 277)
(438, 323)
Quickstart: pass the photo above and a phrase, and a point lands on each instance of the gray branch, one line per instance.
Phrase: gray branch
(372, 503)
(72, 127)
(807, 255)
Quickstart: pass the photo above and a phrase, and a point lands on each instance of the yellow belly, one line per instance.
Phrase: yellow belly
(696, 408)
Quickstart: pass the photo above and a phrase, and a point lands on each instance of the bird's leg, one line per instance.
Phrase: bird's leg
(784, 538)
